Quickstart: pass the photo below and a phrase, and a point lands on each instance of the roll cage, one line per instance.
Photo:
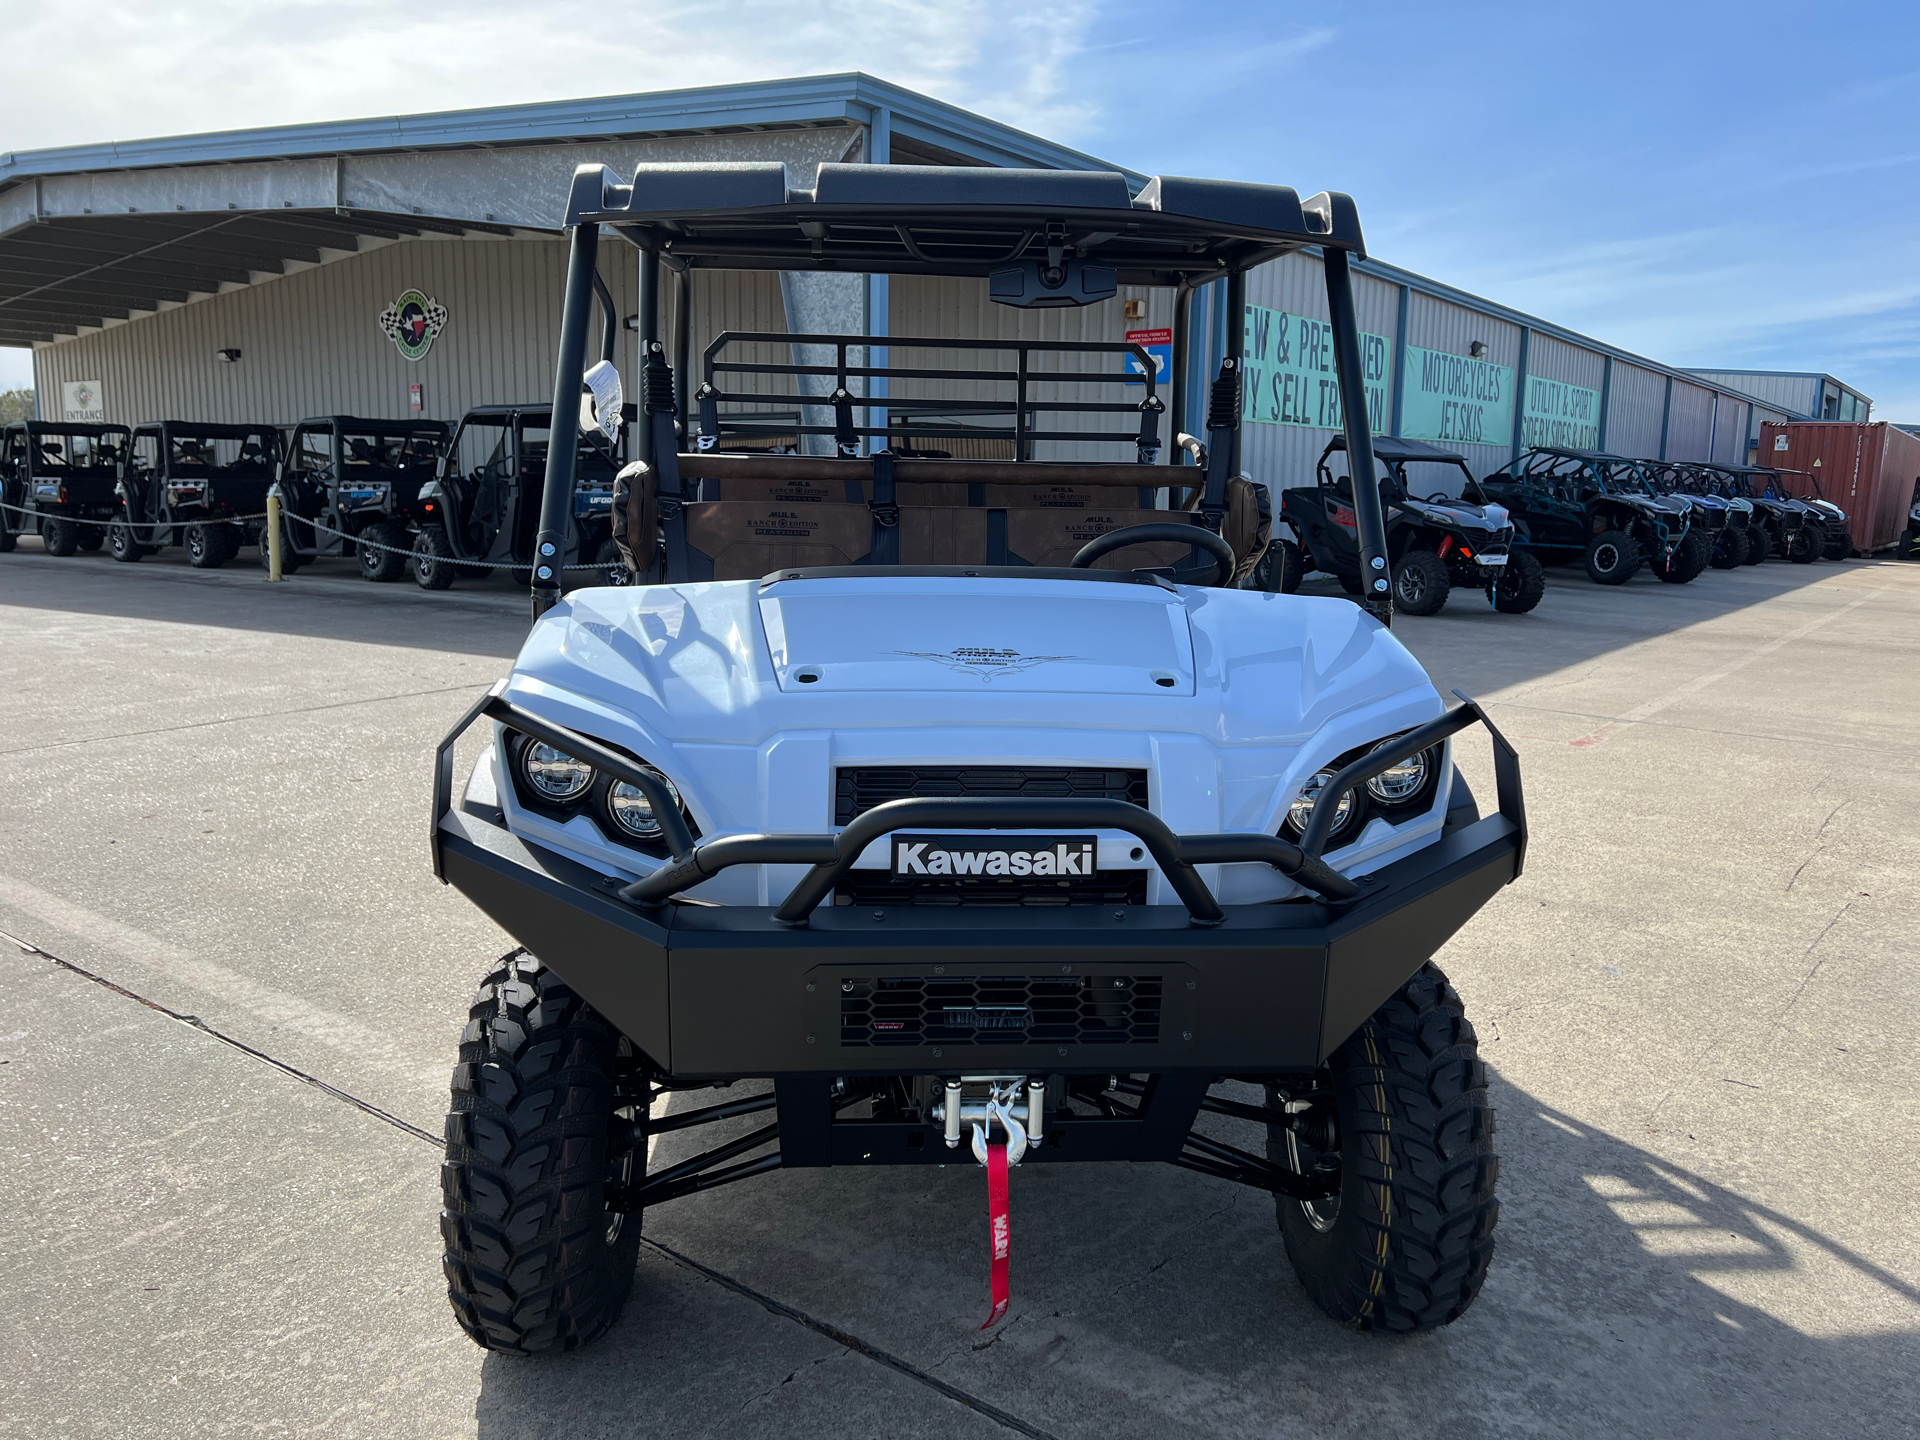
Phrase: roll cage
(1040, 237)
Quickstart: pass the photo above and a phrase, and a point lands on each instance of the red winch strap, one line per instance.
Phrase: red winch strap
(1000, 1227)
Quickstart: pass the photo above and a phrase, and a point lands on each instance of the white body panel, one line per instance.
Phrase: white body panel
(1229, 699)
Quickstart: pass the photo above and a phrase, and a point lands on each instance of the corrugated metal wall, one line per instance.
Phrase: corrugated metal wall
(1434, 324)
(311, 343)
(1799, 394)
(1635, 397)
(1284, 455)
(1553, 359)
(1730, 425)
(1690, 425)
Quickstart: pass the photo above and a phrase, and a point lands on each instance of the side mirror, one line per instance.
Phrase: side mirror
(604, 403)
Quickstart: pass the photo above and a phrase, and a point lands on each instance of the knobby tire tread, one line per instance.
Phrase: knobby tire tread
(1413, 1238)
(529, 1268)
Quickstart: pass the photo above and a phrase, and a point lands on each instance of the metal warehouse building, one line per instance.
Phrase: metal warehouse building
(412, 265)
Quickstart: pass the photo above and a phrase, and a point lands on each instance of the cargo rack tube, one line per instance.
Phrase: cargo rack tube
(832, 856)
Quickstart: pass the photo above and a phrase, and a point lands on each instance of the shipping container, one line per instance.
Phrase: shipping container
(1869, 471)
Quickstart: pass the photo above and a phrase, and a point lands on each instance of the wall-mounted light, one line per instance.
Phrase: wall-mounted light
(1136, 309)
(1477, 349)
(228, 356)
(633, 322)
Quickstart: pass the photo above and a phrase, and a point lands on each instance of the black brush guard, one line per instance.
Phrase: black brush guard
(718, 992)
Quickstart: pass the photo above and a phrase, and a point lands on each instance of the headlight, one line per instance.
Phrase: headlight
(629, 808)
(1301, 810)
(1399, 781)
(554, 774)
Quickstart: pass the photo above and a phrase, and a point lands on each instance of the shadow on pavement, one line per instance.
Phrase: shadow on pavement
(1629, 1296)
(1578, 620)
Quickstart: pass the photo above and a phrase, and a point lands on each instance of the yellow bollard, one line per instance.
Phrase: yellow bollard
(273, 538)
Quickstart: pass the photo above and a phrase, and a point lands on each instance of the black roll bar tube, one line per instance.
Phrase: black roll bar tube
(563, 439)
(1375, 576)
(1506, 770)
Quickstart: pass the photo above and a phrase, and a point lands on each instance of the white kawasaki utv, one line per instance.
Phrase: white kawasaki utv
(888, 781)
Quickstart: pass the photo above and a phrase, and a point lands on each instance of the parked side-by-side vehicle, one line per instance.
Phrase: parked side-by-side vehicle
(1436, 539)
(483, 507)
(200, 486)
(57, 480)
(344, 480)
(1598, 508)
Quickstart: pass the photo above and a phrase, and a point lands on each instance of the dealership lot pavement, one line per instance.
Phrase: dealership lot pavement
(1700, 1007)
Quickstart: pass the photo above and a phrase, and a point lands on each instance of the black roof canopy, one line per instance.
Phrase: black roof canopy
(1396, 448)
(955, 220)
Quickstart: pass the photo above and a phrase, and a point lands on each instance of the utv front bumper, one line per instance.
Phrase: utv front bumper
(712, 992)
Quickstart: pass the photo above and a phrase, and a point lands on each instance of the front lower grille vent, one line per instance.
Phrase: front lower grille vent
(1000, 1010)
(857, 789)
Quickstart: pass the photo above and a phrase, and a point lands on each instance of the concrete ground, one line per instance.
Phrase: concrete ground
(1699, 1006)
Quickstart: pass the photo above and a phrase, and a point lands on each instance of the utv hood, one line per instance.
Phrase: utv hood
(951, 634)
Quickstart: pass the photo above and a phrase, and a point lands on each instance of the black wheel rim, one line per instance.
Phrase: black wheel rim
(1606, 559)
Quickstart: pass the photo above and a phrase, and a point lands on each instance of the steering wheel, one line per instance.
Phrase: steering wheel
(1219, 549)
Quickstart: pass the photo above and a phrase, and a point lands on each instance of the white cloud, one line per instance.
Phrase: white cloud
(225, 64)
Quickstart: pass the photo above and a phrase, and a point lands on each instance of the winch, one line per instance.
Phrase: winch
(998, 1099)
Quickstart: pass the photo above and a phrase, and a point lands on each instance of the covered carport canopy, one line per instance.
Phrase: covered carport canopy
(61, 273)
(93, 235)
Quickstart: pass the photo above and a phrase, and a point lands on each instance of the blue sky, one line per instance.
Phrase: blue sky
(1706, 183)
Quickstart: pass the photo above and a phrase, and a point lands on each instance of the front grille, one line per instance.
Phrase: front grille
(1000, 1010)
(857, 789)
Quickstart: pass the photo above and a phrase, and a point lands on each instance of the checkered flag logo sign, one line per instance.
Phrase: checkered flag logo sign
(413, 322)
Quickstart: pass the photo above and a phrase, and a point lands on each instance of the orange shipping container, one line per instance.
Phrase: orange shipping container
(1869, 471)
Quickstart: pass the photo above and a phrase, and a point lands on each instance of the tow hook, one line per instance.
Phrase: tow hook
(1022, 1120)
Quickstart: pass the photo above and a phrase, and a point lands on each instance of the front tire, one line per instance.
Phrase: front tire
(1683, 564)
(1612, 558)
(1521, 586)
(1406, 1243)
(1730, 548)
(1759, 544)
(1420, 583)
(1805, 544)
(535, 1261)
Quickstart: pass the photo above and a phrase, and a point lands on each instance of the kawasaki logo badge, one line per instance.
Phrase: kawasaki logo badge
(413, 322)
(956, 855)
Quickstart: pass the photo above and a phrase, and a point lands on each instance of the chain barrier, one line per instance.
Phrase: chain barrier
(151, 525)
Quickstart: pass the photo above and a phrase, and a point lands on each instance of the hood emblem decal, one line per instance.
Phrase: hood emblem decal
(983, 660)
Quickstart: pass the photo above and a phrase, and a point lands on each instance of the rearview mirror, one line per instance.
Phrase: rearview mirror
(1035, 285)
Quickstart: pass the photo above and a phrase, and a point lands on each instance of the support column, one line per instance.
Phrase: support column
(1520, 392)
(1666, 414)
(1400, 357)
(879, 299)
(1606, 401)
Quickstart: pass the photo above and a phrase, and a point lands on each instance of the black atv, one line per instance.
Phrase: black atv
(345, 480)
(1721, 520)
(483, 509)
(1599, 507)
(201, 487)
(57, 479)
(1788, 528)
(1433, 544)
(1804, 486)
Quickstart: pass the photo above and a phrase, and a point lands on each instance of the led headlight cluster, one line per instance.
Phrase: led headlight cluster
(1402, 790)
(558, 785)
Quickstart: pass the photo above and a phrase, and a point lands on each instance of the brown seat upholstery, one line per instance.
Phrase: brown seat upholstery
(817, 513)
